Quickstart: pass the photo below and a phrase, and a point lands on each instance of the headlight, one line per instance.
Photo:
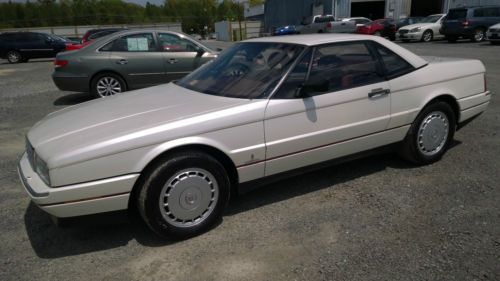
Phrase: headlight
(416, 29)
(41, 169)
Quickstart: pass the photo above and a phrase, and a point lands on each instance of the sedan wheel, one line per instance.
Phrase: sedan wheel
(427, 36)
(430, 134)
(184, 195)
(107, 84)
(14, 57)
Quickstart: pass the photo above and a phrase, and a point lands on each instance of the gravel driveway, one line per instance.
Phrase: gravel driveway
(376, 218)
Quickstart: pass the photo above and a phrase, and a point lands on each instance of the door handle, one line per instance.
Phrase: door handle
(122, 61)
(172, 61)
(378, 93)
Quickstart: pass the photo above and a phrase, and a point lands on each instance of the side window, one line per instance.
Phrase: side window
(295, 79)
(173, 43)
(492, 12)
(394, 65)
(342, 66)
(479, 13)
(143, 42)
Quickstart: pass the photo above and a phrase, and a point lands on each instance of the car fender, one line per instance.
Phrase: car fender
(161, 149)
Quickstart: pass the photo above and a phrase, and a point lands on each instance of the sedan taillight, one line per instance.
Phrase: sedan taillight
(60, 63)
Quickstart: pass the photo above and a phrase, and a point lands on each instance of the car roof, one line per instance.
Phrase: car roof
(319, 39)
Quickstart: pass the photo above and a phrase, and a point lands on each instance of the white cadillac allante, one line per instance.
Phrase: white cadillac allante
(176, 152)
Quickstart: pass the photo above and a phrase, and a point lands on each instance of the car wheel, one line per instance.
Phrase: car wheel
(377, 33)
(107, 84)
(479, 35)
(184, 195)
(14, 57)
(427, 36)
(430, 134)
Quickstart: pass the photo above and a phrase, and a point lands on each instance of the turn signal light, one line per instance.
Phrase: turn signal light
(60, 63)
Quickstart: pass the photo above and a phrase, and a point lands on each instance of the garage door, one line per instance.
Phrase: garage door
(369, 9)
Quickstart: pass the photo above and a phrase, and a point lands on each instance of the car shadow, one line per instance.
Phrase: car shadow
(101, 232)
(72, 99)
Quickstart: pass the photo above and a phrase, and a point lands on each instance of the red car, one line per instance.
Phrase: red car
(91, 35)
(382, 27)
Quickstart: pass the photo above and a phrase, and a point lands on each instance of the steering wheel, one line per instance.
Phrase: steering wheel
(236, 69)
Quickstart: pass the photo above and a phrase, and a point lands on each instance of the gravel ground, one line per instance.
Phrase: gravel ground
(376, 218)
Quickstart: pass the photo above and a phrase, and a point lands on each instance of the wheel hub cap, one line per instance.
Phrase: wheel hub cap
(433, 133)
(108, 86)
(189, 197)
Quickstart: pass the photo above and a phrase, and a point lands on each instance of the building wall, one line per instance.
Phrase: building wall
(457, 3)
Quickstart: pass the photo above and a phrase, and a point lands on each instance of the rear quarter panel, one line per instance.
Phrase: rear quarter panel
(454, 77)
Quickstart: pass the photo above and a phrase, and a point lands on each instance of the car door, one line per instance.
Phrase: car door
(35, 45)
(180, 55)
(137, 58)
(333, 103)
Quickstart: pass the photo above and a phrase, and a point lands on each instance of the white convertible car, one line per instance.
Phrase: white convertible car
(265, 106)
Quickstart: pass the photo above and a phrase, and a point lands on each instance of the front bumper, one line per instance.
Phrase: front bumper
(493, 36)
(414, 36)
(93, 197)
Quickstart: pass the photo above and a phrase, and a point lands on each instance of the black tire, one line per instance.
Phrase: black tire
(410, 147)
(427, 36)
(479, 35)
(166, 172)
(392, 38)
(451, 39)
(96, 79)
(14, 57)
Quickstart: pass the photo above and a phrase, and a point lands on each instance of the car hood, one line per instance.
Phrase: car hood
(421, 25)
(132, 120)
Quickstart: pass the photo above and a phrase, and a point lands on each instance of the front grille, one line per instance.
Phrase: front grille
(30, 151)
(403, 31)
(495, 30)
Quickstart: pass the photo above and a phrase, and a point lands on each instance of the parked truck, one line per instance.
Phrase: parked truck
(325, 24)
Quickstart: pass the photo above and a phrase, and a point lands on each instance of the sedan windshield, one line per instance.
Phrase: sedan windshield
(431, 19)
(247, 70)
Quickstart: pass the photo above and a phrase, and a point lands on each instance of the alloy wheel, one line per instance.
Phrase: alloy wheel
(108, 86)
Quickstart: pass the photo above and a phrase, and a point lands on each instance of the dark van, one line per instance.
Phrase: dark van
(470, 22)
(22, 46)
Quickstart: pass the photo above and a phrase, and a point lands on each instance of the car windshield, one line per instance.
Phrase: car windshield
(246, 70)
(431, 19)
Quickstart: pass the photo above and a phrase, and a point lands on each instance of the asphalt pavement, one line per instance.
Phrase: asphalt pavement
(376, 218)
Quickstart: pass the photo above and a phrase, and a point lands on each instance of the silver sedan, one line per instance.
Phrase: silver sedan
(129, 60)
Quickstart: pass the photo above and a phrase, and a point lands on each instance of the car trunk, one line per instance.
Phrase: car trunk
(455, 20)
